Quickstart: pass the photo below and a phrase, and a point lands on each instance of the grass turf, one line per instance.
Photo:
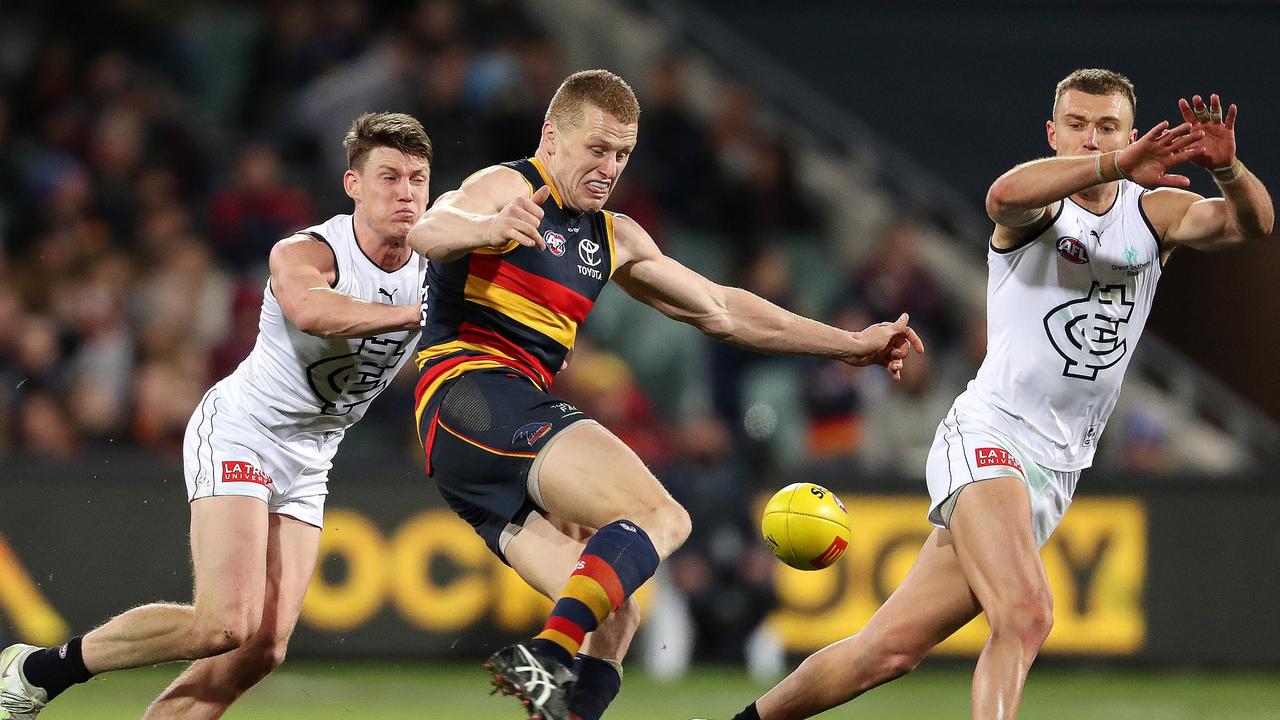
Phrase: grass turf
(315, 691)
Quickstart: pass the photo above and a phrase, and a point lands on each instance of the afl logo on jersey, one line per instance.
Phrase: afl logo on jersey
(555, 242)
(1072, 250)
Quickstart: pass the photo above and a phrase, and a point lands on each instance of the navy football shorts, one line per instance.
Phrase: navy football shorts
(481, 433)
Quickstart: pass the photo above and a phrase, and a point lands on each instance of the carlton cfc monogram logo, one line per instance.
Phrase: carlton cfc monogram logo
(1072, 250)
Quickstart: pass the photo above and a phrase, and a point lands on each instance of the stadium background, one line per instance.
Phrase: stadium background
(832, 160)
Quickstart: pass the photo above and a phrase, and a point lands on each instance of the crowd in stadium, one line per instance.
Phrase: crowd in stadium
(141, 193)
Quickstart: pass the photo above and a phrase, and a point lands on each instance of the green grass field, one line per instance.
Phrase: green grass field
(314, 691)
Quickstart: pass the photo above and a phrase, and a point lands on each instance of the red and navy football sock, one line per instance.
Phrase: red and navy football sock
(617, 560)
(598, 684)
(56, 669)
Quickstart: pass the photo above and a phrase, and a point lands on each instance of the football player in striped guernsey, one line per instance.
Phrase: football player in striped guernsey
(519, 254)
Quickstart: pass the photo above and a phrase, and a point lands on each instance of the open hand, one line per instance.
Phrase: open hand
(518, 220)
(1217, 146)
(1148, 159)
(885, 344)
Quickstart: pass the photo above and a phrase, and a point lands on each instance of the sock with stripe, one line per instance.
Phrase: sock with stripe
(617, 560)
(56, 669)
(598, 684)
(750, 713)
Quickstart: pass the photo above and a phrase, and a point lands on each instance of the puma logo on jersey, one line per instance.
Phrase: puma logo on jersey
(391, 296)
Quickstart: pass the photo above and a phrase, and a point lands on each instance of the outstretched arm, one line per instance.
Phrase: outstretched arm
(740, 317)
(1243, 213)
(301, 270)
(1022, 195)
(493, 209)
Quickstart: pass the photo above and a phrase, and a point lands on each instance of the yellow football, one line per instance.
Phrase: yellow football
(806, 526)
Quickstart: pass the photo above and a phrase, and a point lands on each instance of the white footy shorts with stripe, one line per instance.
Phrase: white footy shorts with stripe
(966, 450)
(225, 453)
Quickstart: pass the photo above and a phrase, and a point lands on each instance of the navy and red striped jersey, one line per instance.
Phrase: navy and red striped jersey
(516, 306)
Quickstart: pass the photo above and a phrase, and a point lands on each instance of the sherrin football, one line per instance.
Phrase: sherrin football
(806, 526)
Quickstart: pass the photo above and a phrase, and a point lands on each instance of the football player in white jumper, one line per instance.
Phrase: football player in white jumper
(1079, 242)
(340, 316)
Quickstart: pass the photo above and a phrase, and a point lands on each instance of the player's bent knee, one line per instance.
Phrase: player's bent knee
(1029, 617)
(217, 638)
(896, 654)
(672, 526)
(225, 632)
(265, 658)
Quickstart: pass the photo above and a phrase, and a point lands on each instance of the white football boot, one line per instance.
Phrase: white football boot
(19, 699)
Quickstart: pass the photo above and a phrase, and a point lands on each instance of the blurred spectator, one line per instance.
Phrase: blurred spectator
(183, 303)
(676, 159)
(516, 95)
(723, 571)
(765, 272)
(895, 278)
(441, 106)
(602, 385)
(45, 427)
(901, 422)
(834, 402)
(247, 218)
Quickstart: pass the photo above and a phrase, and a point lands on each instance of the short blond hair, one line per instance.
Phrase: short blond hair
(1097, 81)
(600, 88)
(392, 130)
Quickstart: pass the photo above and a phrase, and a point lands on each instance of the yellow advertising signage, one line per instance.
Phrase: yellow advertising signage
(34, 618)
(1096, 562)
(394, 571)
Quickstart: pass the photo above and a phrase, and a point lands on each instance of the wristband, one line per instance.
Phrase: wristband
(1097, 167)
(1229, 174)
(1115, 158)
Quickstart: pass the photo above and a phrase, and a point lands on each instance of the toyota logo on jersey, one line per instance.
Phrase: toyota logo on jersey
(1072, 250)
(555, 242)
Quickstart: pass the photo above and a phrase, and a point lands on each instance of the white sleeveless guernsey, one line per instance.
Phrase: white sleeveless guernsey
(1064, 313)
(294, 383)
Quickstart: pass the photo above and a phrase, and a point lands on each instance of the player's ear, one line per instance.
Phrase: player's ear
(1133, 136)
(351, 183)
(549, 136)
(1051, 134)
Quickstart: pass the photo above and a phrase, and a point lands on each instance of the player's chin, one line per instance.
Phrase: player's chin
(400, 226)
(593, 203)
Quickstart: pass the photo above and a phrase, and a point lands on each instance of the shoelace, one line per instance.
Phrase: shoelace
(539, 680)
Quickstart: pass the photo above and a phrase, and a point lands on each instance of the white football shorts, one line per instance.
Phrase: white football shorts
(226, 453)
(966, 450)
